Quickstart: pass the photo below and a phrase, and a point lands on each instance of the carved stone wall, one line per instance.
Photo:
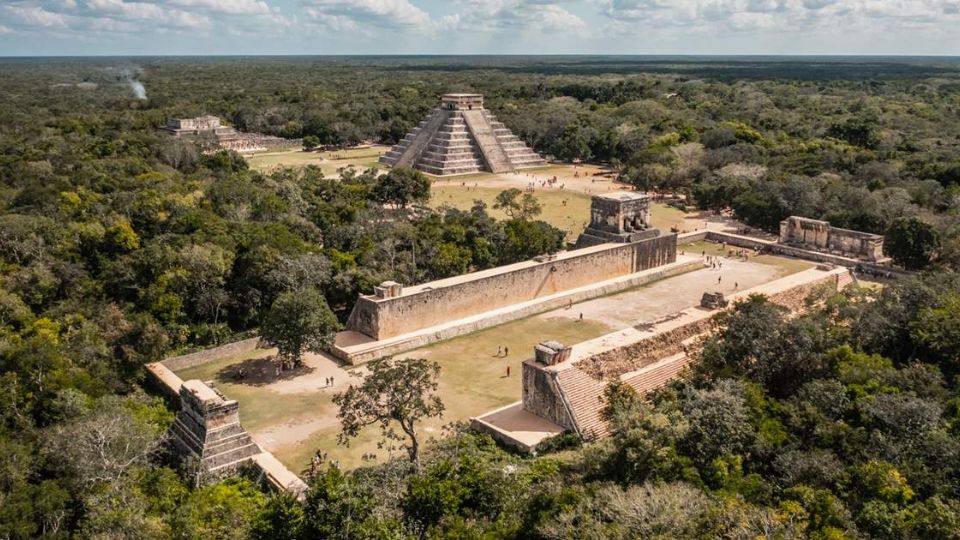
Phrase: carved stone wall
(820, 236)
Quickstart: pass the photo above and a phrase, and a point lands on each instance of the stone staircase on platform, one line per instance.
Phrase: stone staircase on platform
(461, 137)
(208, 427)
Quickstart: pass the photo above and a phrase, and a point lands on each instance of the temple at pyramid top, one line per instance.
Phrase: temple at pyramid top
(461, 137)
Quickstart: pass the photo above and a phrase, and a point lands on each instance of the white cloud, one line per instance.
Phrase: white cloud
(493, 16)
(353, 14)
(229, 7)
(784, 15)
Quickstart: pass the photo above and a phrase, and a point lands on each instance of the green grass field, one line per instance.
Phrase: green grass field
(571, 217)
(472, 381)
(787, 265)
(329, 162)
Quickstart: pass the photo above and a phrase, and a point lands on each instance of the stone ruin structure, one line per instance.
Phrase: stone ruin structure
(196, 126)
(563, 387)
(621, 216)
(224, 137)
(394, 310)
(819, 236)
(461, 137)
(208, 428)
(714, 300)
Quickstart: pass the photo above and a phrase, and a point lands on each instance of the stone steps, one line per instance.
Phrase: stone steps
(459, 142)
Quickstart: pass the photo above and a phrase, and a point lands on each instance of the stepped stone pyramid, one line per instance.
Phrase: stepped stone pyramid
(461, 137)
(208, 427)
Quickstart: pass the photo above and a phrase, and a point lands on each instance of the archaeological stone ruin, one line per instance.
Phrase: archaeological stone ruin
(563, 386)
(622, 216)
(208, 428)
(461, 137)
(394, 309)
(223, 137)
(819, 236)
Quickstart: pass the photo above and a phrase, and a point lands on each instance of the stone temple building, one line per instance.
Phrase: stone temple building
(621, 216)
(223, 137)
(820, 236)
(208, 428)
(461, 137)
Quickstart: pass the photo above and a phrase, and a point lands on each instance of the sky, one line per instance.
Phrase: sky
(252, 27)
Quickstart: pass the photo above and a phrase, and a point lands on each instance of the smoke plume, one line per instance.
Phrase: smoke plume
(138, 89)
(130, 76)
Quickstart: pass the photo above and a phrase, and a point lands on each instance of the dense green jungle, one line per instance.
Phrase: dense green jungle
(120, 245)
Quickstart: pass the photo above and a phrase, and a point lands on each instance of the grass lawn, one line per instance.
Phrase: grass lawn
(571, 218)
(787, 265)
(665, 217)
(329, 162)
(472, 381)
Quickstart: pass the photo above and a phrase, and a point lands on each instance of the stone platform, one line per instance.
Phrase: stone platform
(461, 137)
(564, 388)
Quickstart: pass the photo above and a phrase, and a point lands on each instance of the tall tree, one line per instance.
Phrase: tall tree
(517, 204)
(395, 393)
(401, 187)
(912, 243)
(299, 321)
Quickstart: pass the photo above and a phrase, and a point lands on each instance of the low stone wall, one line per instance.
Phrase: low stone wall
(165, 381)
(776, 248)
(434, 303)
(199, 358)
(468, 326)
(611, 364)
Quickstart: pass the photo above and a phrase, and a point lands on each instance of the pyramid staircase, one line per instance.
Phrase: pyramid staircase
(461, 141)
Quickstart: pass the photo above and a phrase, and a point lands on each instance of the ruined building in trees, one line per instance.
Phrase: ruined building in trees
(461, 137)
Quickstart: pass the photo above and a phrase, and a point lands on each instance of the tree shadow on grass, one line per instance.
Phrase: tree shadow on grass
(259, 372)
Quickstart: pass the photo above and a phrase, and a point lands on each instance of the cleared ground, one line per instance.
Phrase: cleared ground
(293, 416)
(566, 210)
(329, 162)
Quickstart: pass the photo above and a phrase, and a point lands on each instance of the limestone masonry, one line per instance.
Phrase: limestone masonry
(622, 216)
(208, 427)
(563, 386)
(225, 137)
(820, 236)
(461, 137)
(393, 310)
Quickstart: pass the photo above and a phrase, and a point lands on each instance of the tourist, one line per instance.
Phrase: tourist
(508, 371)
(499, 351)
(506, 351)
(581, 316)
(719, 278)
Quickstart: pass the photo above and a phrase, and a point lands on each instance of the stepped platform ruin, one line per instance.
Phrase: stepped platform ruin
(620, 216)
(461, 137)
(211, 129)
(208, 428)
